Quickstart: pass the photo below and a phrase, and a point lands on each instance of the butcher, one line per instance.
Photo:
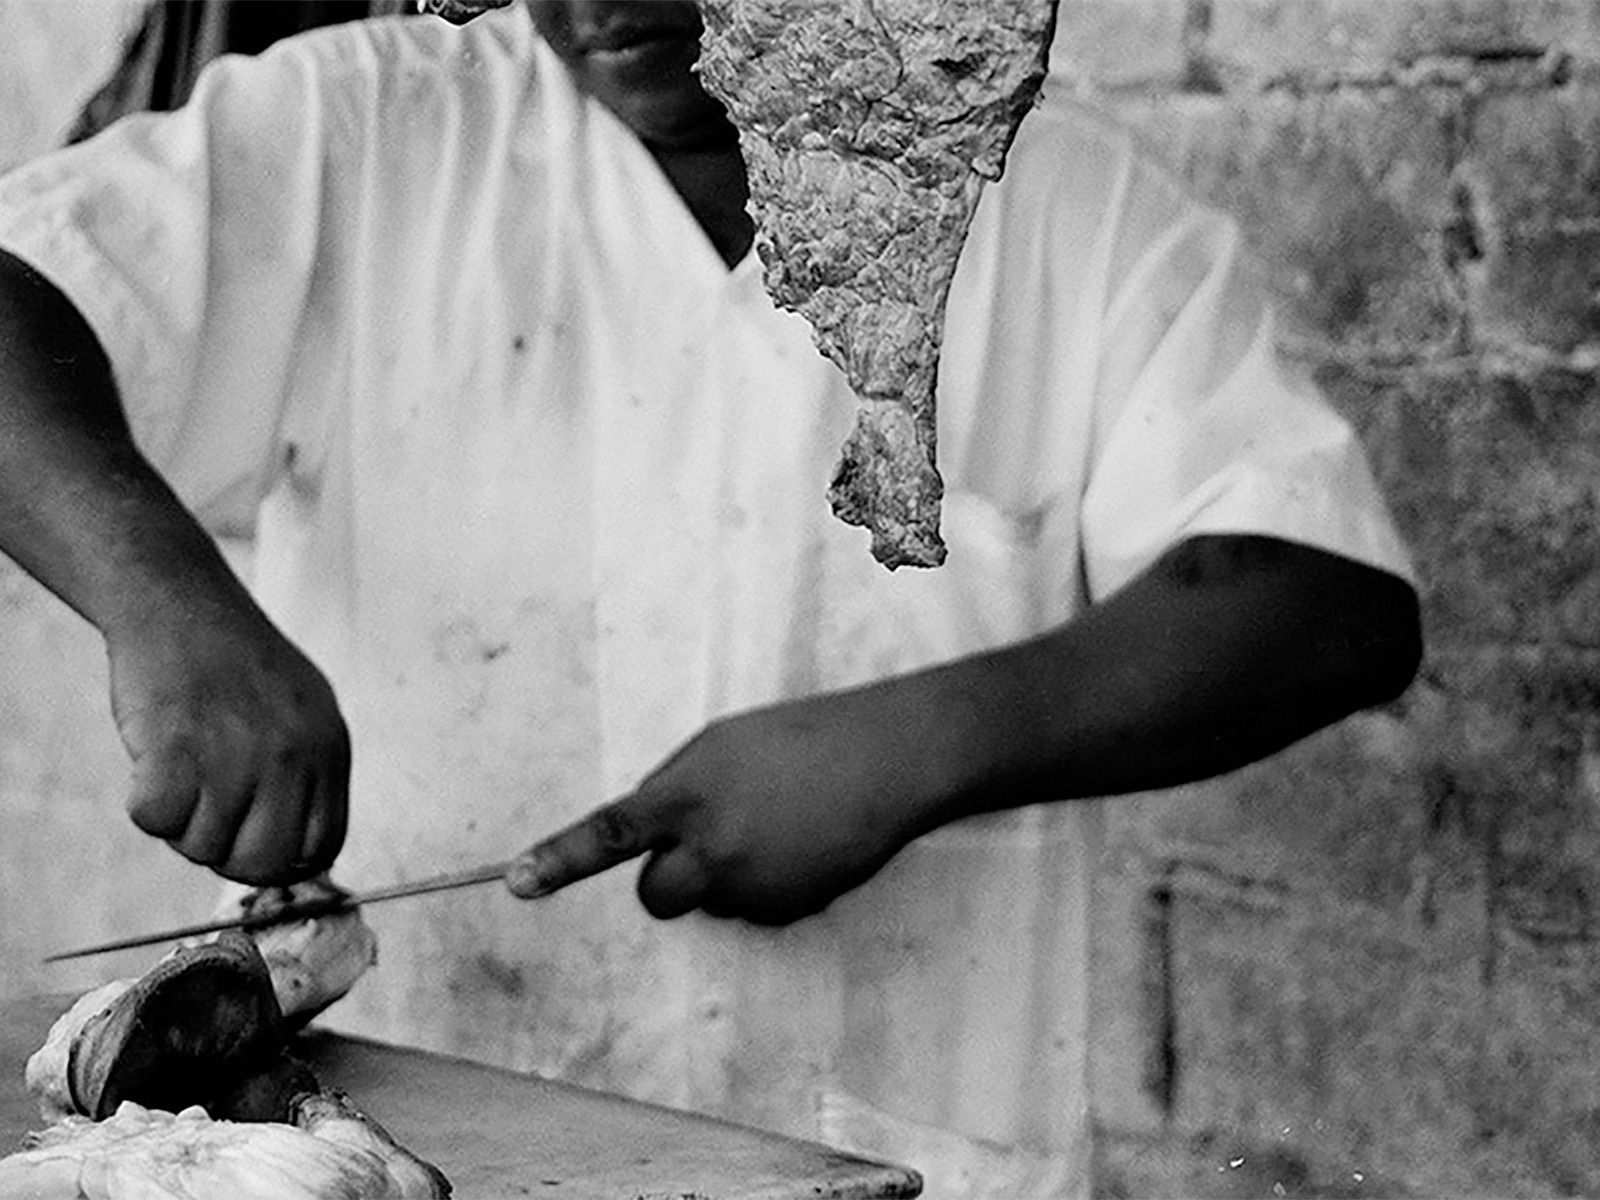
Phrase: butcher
(462, 326)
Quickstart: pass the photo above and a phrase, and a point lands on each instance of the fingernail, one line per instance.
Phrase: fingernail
(523, 878)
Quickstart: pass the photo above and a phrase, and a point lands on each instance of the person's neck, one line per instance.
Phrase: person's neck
(712, 182)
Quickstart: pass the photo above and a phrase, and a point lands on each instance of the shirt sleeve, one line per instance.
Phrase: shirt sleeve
(188, 240)
(1200, 426)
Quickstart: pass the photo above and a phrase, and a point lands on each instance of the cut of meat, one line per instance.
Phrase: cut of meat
(327, 1152)
(181, 1034)
(868, 128)
(459, 12)
(312, 962)
(191, 1009)
(180, 1084)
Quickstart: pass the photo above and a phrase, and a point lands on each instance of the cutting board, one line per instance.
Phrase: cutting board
(498, 1134)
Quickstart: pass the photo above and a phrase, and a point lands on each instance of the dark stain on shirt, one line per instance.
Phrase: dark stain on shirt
(487, 971)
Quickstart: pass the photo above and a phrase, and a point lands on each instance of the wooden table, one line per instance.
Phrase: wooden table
(499, 1134)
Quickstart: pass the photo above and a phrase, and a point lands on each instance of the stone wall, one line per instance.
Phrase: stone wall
(1369, 967)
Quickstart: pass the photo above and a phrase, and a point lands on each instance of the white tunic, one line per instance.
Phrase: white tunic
(540, 484)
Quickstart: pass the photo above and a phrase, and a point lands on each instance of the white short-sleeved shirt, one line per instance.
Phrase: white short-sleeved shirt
(540, 484)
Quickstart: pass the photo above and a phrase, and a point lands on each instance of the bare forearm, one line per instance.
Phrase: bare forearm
(1227, 650)
(239, 755)
(80, 508)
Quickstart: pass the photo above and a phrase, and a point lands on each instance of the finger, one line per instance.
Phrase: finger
(672, 883)
(266, 848)
(215, 822)
(622, 830)
(166, 789)
(327, 820)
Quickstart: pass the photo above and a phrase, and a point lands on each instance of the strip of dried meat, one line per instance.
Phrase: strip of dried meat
(459, 12)
(868, 128)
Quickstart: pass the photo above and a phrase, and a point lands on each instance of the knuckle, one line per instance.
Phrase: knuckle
(615, 830)
(719, 858)
(281, 761)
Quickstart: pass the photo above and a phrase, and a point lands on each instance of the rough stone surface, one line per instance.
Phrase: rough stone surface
(1530, 172)
(1343, 193)
(1370, 966)
(1243, 45)
(1494, 470)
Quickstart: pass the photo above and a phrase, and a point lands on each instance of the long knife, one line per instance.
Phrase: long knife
(302, 910)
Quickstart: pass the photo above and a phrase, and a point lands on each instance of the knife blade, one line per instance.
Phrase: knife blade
(303, 910)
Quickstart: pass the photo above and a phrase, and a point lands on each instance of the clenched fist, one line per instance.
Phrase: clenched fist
(241, 760)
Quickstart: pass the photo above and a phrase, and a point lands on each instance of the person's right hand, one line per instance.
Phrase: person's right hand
(241, 760)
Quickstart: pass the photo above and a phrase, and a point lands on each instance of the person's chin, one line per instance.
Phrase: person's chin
(674, 118)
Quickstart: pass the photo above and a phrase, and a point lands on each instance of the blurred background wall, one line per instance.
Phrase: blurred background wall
(1369, 967)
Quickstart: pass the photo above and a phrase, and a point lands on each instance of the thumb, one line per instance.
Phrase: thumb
(672, 883)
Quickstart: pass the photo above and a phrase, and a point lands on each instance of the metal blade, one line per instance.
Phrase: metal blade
(301, 911)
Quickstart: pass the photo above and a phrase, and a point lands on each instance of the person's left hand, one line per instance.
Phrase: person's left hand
(765, 816)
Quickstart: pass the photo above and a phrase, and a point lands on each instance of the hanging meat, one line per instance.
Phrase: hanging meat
(459, 12)
(869, 128)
